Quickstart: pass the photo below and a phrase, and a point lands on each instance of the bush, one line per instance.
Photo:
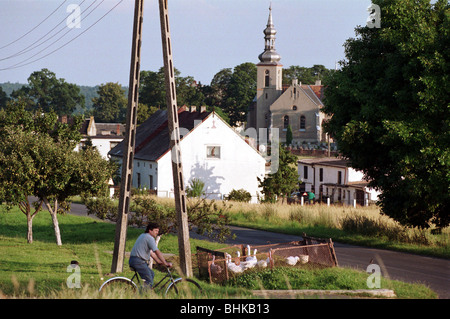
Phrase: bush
(102, 207)
(195, 188)
(145, 209)
(240, 195)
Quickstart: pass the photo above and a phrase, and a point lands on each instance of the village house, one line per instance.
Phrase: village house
(333, 178)
(103, 136)
(211, 152)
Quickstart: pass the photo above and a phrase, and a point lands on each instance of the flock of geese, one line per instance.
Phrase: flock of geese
(251, 261)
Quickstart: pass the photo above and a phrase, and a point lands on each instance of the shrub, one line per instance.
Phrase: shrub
(195, 188)
(102, 207)
(240, 195)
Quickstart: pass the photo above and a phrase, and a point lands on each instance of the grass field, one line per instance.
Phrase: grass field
(39, 270)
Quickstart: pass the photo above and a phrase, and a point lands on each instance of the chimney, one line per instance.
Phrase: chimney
(202, 108)
(193, 108)
(118, 129)
(318, 82)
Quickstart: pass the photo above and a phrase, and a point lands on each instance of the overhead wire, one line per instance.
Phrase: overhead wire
(70, 29)
(27, 49)
(21, 64)
(34, 28)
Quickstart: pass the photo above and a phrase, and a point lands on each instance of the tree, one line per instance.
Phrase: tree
(152, 91)
(241, 92)
(111, 104)
(3, 98)
(289, 136)
(305, 75)
(390, 110)
(37, 158)
(48, 93)
(284, 180)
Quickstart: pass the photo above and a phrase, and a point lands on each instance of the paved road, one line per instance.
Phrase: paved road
(433, 272)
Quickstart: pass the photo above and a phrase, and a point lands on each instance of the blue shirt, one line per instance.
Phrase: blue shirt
(144, 244)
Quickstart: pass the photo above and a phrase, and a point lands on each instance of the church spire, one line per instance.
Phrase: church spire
(269, 55)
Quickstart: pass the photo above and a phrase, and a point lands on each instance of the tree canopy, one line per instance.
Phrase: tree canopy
(389, 104)
(37, 158)
(48, 93)
(111, 104)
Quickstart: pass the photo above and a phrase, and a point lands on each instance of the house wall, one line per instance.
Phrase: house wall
(337, 192)
(145, 174)
(103, 144)
(284, 105)
(238, 166)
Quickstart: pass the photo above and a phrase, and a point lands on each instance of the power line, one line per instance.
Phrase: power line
(34, 28)
(21, 64)
(27, 49)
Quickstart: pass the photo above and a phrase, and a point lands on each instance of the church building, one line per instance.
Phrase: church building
(278, 106)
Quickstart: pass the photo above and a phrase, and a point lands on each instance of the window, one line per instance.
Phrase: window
(151, 181)
(138, 180)
(267, 78)
(305, 172)
(213, 152)
(294, 108)
(286, 122)
(302, 123)
(321, 174)
(339, 181)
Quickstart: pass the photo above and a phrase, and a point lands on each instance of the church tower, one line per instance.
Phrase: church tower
(269, 77)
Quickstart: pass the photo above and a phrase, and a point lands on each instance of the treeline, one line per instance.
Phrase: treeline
(230, 93)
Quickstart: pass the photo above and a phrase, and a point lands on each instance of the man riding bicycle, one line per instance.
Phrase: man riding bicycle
(144, 248)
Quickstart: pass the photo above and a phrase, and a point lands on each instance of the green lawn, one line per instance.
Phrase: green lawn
(40, 269)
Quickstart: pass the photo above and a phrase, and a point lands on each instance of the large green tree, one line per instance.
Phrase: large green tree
(305, 75)
(48, 93)
(110, 106)
(389, 104)
(152, 90)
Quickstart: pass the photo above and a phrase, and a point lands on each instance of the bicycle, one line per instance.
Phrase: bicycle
(177, 286)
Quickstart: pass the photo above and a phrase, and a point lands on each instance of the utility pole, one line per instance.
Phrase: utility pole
(174, 131)
(128, 150)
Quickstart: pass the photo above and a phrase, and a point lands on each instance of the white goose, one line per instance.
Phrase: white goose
(263, 263)
(251, 261)
(215, 269)
(232, 266)
(291, 260)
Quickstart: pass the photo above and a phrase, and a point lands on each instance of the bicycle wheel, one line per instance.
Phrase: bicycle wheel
(183, 288)
(118, 286)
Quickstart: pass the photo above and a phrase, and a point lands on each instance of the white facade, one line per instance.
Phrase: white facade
(332, 178)
(212, 152)
(102, 144)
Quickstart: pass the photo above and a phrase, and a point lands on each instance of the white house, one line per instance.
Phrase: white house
(211, 151)
(103, 136)
(333, 178)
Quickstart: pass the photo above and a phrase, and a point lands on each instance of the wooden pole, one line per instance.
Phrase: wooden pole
(128, 150)
(174, 131)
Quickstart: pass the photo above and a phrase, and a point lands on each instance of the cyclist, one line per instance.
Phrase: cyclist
(144, 248)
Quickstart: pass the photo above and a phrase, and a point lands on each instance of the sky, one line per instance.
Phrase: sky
(207, 36)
